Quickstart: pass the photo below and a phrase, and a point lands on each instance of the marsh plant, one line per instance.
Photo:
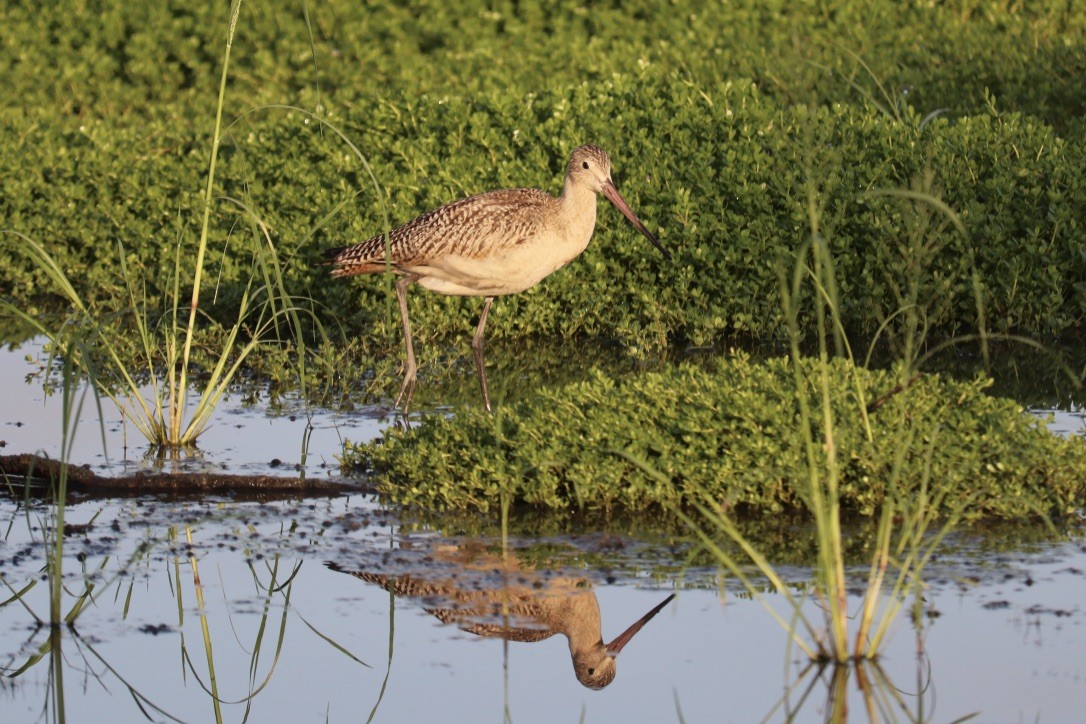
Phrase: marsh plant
(164, 347)
(913, 515)
(68, 599)
(446, 115)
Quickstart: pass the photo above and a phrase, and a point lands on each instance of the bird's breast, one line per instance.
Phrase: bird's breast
(507, 268)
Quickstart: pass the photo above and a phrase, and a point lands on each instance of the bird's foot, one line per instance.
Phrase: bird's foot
(407, 391)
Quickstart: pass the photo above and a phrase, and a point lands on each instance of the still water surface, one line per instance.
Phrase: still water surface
(295, 632)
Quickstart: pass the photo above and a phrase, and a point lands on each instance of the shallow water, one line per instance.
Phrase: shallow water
(1004, 633)
(243, 438)
(1003, 636)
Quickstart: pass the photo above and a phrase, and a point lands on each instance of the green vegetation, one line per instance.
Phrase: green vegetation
(726, 125)
(733, 432)
(912, 500)
(717, 119)
(727, 195)
(164, 350)
(917, 167)
(114, 59)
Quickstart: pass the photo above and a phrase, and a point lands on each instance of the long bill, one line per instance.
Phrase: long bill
(617, 645)
(615, 198)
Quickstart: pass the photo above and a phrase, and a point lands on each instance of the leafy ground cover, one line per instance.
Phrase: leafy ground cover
(732, 431)
(937, 150)
(112, 59)
(730, 196)
(914, 169)
(727, 125)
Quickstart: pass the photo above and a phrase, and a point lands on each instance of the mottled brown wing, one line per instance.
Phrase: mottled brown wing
(468, 227)
(403, 585)
(527, 633)
(509, 633)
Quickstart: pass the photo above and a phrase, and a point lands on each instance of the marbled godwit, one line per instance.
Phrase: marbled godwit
(528, 608)
(489, 245)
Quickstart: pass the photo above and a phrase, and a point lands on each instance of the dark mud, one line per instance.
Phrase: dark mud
(40, 472)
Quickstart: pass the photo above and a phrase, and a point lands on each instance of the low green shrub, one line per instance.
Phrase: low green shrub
(729, 194)
(726, 124)
(160, 60)
(731, 431)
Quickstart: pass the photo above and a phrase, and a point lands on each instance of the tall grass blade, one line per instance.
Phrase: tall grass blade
(201, 249)
(198, 587)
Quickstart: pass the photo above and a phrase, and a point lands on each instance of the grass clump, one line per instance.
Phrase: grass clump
(733, 432)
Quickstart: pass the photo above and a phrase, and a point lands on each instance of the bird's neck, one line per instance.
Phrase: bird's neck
(578, 617)
(577, 193)
(577, 210)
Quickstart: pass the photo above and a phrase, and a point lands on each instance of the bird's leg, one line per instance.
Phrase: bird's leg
(410, 368)
(477, 346)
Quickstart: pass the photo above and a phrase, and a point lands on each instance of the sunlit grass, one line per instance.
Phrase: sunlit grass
(145, 363)
(910, 526)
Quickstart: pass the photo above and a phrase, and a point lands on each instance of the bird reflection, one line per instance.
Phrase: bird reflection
(520, 605)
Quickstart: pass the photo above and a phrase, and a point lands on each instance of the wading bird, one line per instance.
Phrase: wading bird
(489, 245)
(457, 587)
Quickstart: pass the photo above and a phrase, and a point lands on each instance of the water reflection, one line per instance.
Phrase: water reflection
(518, 604)
(824, 688)
(192, 610)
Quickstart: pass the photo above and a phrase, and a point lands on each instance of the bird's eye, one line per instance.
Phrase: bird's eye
(591, 672)
(585, 164)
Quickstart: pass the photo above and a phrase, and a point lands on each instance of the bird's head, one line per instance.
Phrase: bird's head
(596, 666)
(597, 669)
(590, 167)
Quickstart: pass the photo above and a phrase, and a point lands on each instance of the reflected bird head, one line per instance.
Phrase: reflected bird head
(598, 669)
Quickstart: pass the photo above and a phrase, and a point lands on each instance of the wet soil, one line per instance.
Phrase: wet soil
(41, 472)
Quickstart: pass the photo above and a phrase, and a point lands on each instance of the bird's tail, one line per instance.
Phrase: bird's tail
(331, 256)
(347, 262)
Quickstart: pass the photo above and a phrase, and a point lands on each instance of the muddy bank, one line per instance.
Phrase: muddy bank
(40, 472)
